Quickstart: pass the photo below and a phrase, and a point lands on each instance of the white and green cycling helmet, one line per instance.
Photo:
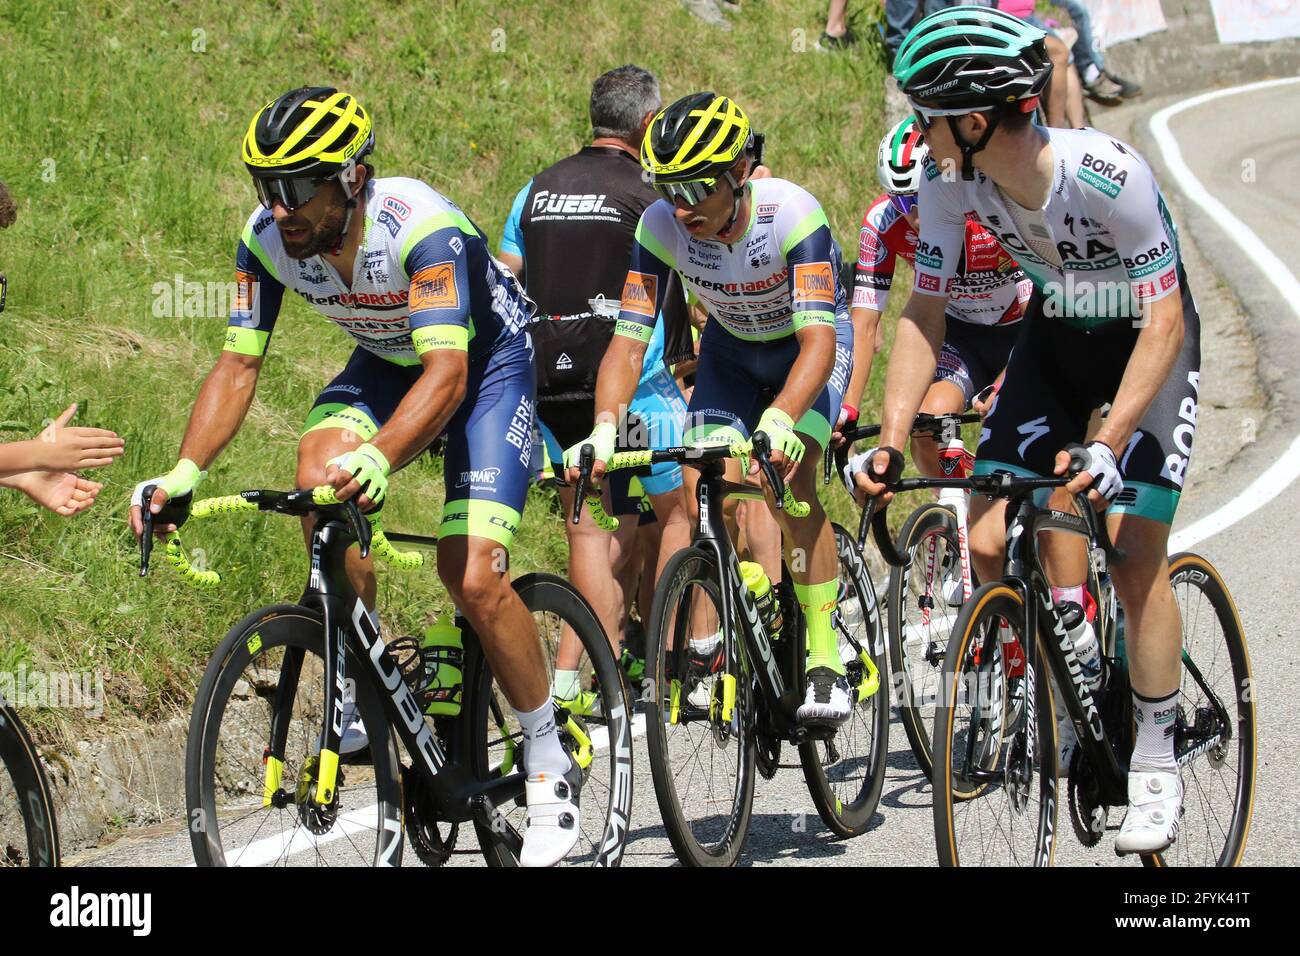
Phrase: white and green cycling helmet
(901, 159)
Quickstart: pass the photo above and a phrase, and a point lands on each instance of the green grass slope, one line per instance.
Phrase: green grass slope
(122, 121)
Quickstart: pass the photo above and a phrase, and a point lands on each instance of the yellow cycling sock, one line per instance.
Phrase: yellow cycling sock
(818, 602)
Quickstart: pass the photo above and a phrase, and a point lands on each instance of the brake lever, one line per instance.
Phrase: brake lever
(586, 461)
(146, 517)
(761, 446)
(359, 524)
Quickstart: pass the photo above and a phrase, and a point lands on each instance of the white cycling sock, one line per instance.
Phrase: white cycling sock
(704, 646)
(567, 684)
(1074, 594)
(1154, 749)
(543, 752)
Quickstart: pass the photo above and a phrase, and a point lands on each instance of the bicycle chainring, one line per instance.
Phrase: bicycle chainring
(1087, 813)
(767, 756)
(423, 828)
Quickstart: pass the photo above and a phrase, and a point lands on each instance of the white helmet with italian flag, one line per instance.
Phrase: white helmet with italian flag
(901, 159)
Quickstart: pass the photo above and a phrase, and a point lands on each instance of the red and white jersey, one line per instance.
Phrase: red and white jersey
(990, 288)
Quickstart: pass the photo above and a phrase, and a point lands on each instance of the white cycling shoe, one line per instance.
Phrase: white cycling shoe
(552, 818)
(829, 699)
(354, 737)
(1155, 806)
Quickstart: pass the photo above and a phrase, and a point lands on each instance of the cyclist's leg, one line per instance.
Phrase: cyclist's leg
(1154, 466)
(662, 410)
(815, 562)
(349, 411)
(589, 546)
(487, 481)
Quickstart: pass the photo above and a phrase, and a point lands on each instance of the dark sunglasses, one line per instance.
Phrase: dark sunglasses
(692, 193)
(292, 192)
(904, 204)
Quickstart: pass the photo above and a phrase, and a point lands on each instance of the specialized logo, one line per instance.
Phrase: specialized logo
(434, 287)
(640, 293)
(814, 280)
(478, 476)
(563, 363)
(1092, 718)
(1102, 176)
(1035, 429)
(398, 208)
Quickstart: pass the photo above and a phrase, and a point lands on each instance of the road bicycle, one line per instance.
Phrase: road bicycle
(711, 725)
(264, 778)
(29, 833)
(995, 772)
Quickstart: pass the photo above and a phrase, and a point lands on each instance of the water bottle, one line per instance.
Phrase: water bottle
(442, 652)
(1087, 649)
(769, 609)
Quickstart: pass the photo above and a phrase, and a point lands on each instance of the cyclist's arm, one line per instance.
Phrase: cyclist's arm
(227, 392)
(912, 362)
(809, 254)
(642, 300)
(511, 253)
(438, 267)
(1148, 368)
(866, 343)
(1139, 223)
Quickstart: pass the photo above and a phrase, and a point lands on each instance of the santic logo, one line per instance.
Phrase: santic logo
(478, 476)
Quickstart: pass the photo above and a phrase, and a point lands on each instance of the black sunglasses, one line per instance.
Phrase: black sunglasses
(292, 192)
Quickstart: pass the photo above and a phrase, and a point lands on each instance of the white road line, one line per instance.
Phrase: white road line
(1278, 476)
(280, 845)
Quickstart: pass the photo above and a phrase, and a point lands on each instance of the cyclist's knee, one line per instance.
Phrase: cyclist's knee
(477, 586)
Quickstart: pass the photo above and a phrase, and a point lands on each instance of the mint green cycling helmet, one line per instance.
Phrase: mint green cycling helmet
(972, 59)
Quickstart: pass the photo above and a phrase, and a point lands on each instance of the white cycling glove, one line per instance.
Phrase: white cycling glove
(1106, 479)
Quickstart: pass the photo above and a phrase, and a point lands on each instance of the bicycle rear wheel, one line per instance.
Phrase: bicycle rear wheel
(921, 622)
(701, 759)
(264, 690)
(994, 743)
(597, 731)
(846, 773)
(29, 835)
(1214, 733)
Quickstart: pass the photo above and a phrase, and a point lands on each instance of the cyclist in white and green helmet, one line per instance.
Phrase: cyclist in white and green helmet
(1111, 321)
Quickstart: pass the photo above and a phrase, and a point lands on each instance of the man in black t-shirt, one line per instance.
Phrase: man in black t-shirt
(569, 239)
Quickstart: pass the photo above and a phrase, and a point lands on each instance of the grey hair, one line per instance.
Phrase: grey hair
(619, 99)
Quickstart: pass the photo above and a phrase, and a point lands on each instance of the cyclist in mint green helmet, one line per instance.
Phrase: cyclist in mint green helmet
(1111, 322)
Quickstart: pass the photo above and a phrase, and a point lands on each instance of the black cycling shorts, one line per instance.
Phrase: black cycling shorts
(973, 356)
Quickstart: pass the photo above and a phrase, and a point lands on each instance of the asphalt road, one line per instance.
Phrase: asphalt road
(1258, 132)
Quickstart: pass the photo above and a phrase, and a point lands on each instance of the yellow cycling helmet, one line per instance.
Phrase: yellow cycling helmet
(303, 138)
(697, 140)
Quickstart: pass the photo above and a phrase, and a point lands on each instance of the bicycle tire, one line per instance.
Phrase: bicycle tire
(977, 625)
(1189, 575)
(29, 832)
(828, 781)
(694, 570)
(611, 774)
(292, 631)
(915, 667)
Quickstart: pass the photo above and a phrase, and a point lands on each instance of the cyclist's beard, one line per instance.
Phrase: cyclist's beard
(324, 235)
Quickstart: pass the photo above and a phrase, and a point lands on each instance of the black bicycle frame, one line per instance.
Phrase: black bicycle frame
(458, 795)
(782, 689)
(1024, 572)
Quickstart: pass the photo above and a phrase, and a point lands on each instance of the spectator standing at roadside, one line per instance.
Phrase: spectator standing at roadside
(569, 238)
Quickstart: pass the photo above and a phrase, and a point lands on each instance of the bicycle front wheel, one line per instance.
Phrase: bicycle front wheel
(846, 773)
(921, 617)
(252, 758)
(994, 741)
(595, 727)
(699, 716)
(1214, 733)
(29, 835)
